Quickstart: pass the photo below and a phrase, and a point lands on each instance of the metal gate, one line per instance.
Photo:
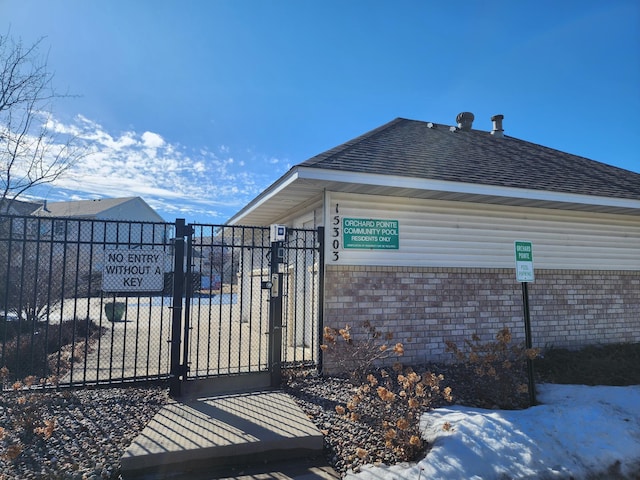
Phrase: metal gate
(87, 302)
(252, 304)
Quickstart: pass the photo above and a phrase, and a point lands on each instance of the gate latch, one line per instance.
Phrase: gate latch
(272, 285)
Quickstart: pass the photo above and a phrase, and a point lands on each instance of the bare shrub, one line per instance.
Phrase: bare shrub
(395, 401)
(496, 370)
(48, 349)
(355, 357)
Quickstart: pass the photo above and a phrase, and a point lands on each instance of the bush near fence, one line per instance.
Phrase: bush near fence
(43, 350)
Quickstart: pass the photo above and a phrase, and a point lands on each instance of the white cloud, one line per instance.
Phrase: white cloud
(170, 178)
(152, 140)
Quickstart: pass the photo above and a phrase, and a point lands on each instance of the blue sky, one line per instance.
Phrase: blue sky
(197, 106)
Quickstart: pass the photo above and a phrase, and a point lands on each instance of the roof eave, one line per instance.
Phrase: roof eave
(461, 187)
(268, 194)
(325, 179)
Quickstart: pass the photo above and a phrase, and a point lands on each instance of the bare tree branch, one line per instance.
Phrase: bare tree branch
(31, 151)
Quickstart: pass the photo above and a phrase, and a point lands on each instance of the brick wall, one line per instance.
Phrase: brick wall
(424, 307)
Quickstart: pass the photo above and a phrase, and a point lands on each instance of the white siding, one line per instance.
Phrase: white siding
(456, 234)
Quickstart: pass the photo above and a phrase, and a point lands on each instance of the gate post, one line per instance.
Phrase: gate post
(320, 328)
(275, 314)
(176, 313)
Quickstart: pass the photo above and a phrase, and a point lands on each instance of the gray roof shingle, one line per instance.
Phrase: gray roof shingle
(81, 208)
(412, 148)
(18, 207)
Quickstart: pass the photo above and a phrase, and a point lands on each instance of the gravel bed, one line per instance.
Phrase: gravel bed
(92, 428)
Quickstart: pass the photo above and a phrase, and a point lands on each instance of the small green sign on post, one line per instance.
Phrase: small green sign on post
(524, 261)
(524, 274)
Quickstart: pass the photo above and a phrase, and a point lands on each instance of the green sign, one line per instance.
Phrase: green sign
(370, 233)
(524, 261)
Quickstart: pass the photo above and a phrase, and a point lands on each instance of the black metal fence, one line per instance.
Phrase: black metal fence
(96, 302)
(59, 322)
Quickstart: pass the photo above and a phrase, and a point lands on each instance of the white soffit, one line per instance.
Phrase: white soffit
(302, 183)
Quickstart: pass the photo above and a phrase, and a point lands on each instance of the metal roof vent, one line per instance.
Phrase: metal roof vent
(465, 121)
(497, 130)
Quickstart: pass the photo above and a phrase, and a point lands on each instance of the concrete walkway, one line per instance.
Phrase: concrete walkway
(257, 435)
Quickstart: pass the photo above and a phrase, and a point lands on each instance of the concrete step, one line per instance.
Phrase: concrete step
(226, 430)
(313, 468)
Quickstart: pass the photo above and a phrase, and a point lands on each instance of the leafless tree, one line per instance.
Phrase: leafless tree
(32, 152)
(39, 271)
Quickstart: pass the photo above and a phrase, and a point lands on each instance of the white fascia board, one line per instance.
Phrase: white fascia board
(460, 187)
(271, 191)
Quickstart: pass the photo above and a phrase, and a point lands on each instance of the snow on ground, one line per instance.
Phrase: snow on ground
(574, 432)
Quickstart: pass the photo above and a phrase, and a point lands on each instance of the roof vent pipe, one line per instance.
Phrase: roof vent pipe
(465, 121)
(497, 130)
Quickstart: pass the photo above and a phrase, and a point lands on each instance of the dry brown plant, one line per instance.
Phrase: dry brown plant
(397, 399)
(26, 418)
(496, 370)
(355, 355)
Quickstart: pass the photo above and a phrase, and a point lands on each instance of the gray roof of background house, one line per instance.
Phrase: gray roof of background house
(431, 151)
(81, 208)
(90, 209)
(19, 207)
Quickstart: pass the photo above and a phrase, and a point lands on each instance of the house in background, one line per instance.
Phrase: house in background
(421, 220)
(132, 209)
(75, 217)
(113, 221)
(88, 229)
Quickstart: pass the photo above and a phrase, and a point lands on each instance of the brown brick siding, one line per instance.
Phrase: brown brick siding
(424, 307)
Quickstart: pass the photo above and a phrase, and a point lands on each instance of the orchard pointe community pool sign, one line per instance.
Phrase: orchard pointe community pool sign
(370, 233)
(133, 270)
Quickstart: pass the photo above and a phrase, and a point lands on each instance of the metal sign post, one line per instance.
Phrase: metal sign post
(527, 331)
(525, 274)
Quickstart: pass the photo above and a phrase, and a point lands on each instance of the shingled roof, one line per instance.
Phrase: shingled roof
(428, 160)
(126, 208)
(439, 152)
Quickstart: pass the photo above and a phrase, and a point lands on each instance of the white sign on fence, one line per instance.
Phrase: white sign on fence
(133, 270)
